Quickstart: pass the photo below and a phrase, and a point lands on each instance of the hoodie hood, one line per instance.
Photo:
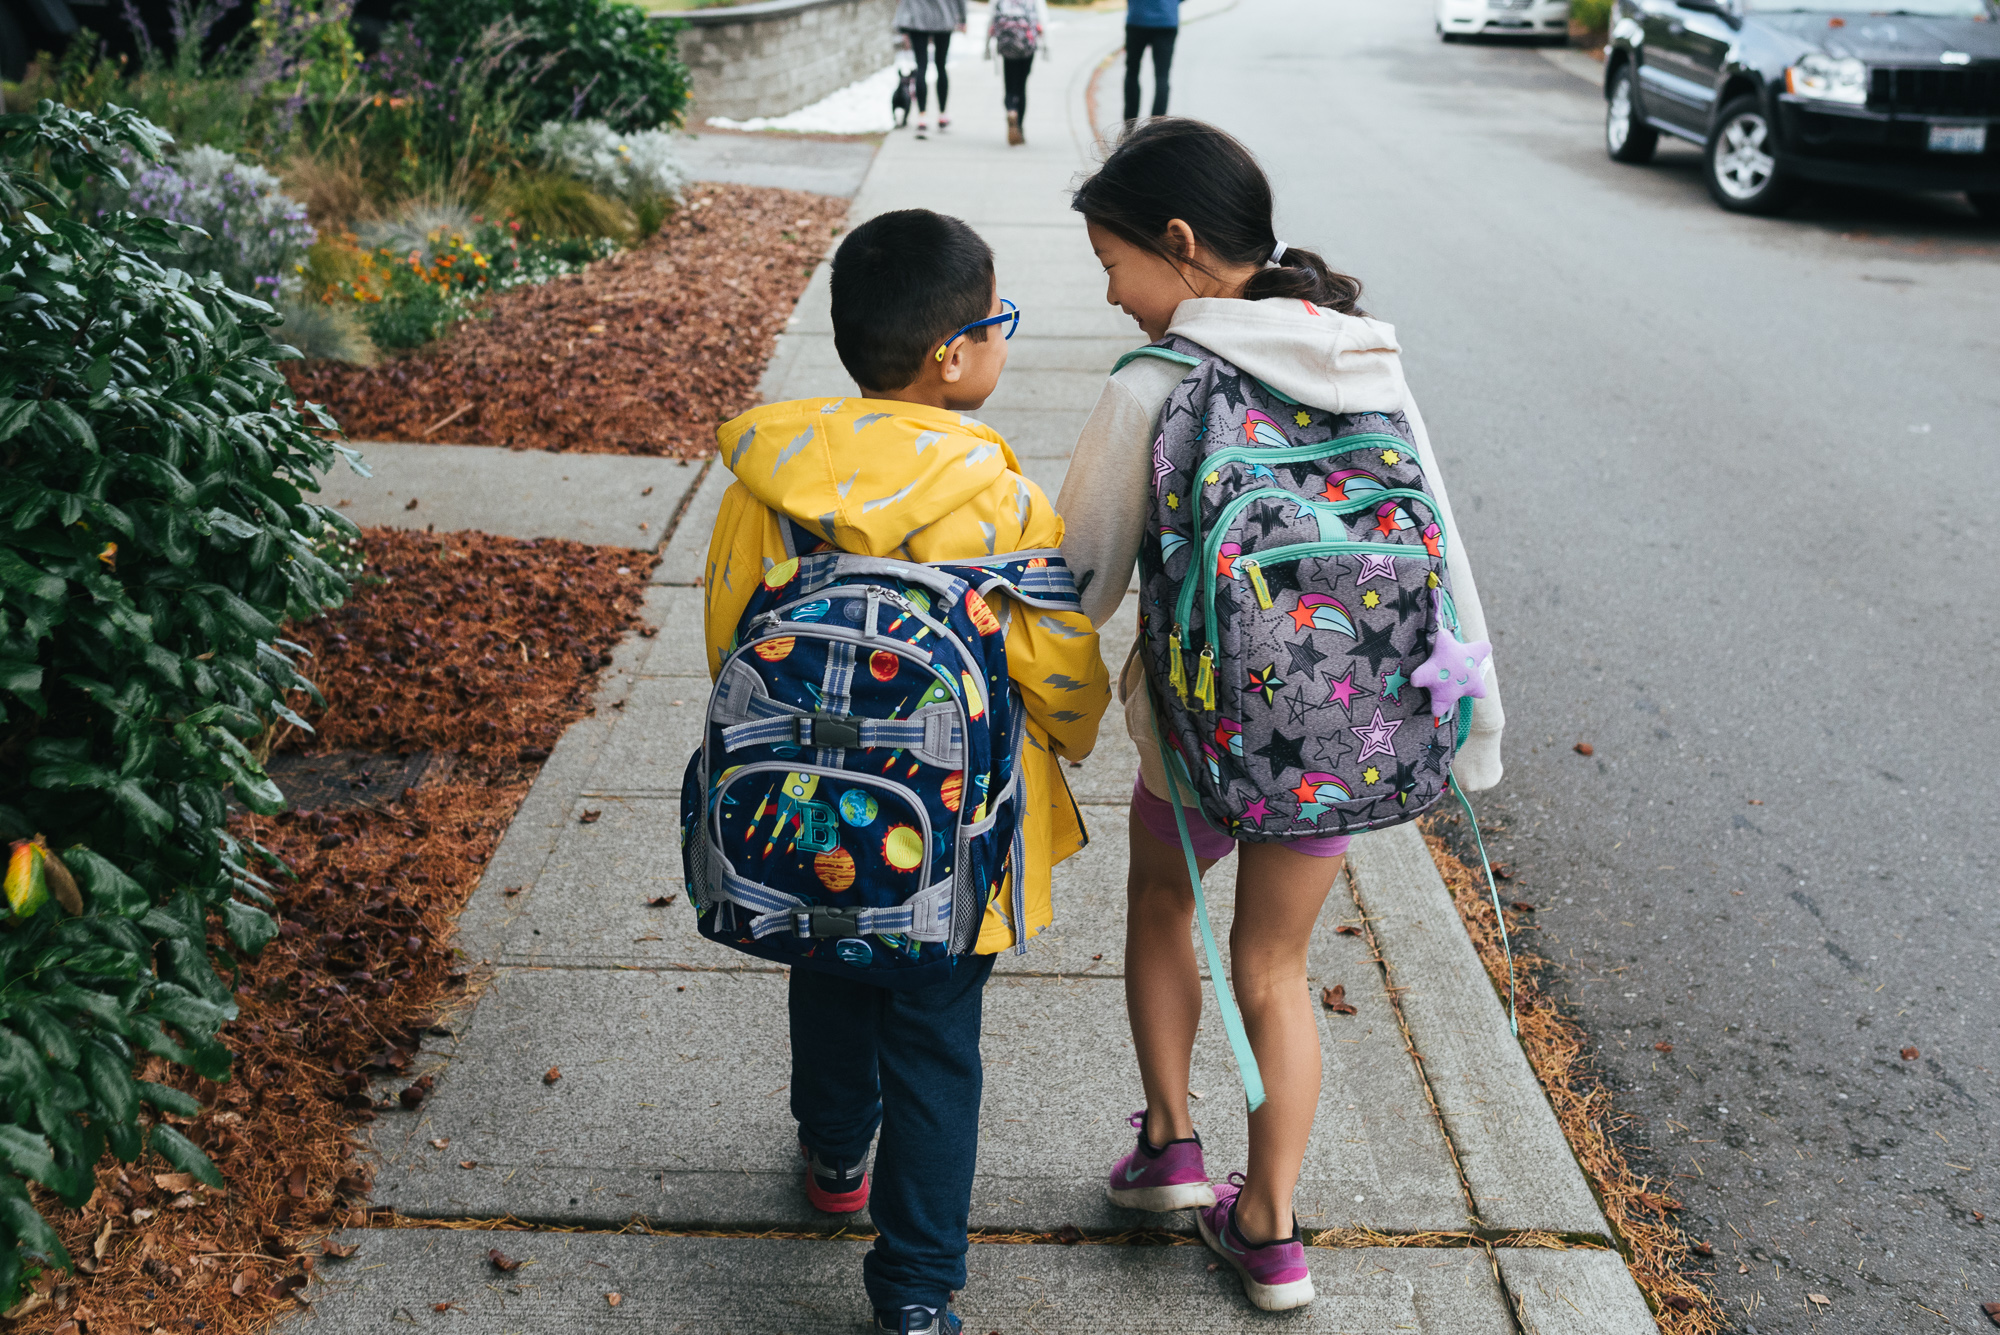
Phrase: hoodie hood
(1326, 360)
(865, 474)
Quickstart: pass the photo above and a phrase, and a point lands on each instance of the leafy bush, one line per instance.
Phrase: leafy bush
(153, 471)
(325, 332)
(256, 234)
(587, 58)
(1591, 15)
(643, 168)
(554, 205)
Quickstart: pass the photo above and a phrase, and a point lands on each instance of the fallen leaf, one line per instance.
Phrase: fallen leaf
(1502, 871)
(1819, 1300)
(1678, 1303)
(1097, 957)
(468, 1163)
(328, 1247)
(412, 505)
(241, 1284)
(1911, 1054)
(1069, 1235)
(140, 1216)
(1663, 1047)
(1335, 999)
(1702, 1248)
(175, 1182)
(1992, 1311)
(1756, 801)
(1657, 1203)
(659, 901)
(296, 1184)
(442, 1307)
(502, 1261)
(614, 1298)
(183, 1202)
(553, 1074)
(589, 818)
(285, 1286)
(417, 1092)
(1214, 1266)
(1585, 749)
(1522, 906)
(440, 1142)
(513, 890)
(1347, 929)
(647, 492)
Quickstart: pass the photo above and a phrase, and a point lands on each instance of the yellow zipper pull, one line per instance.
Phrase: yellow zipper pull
(1204, 679)
(1176, 669)
(1257, 583)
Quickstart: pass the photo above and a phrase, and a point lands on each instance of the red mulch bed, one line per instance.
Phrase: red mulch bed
(645, 353)
(480, 650)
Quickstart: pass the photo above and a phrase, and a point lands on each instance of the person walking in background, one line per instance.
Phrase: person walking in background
(927, 25)
(1018, 29)
(1155, 24)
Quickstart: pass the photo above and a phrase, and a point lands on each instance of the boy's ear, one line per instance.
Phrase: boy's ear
(953, 369)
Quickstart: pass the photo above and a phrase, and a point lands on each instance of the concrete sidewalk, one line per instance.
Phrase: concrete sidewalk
(672, 1109)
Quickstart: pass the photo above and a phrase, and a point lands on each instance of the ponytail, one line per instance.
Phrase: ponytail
(1145, 184)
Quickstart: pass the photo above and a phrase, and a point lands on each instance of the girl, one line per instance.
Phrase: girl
(927, 25)
(1180, 217)
(1018, 30)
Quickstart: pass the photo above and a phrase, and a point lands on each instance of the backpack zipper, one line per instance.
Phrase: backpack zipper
(1289, 454)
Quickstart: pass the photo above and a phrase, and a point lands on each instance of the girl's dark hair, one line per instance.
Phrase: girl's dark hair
(1171, 167)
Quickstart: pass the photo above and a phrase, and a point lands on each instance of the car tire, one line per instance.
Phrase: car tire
(1627, 137)
(1985, 203)
(1741, 163)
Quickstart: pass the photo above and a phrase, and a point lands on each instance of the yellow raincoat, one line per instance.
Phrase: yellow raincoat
(880, 477)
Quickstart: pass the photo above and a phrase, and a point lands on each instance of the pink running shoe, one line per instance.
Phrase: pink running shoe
(1169, 1178)
(1274, 1275)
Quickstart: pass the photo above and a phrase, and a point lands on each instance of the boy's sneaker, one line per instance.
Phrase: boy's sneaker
(1274, 1275)
(918, 1320)
(833, 1188)
(1169, 1178)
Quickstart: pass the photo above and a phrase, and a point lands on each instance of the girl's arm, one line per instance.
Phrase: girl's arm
(1106, 496)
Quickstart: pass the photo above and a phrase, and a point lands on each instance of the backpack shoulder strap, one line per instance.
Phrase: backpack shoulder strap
(1036, 578)
(1160, 350)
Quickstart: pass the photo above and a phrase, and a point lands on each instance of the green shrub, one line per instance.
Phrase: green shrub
(586, 58)
(322, 331)
(554, 204)
(1591, 15)
(153, 471)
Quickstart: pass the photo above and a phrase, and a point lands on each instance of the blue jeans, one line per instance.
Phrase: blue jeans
(907, 1062)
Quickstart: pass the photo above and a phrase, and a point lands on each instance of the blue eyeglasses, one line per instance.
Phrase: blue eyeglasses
(1011, 317)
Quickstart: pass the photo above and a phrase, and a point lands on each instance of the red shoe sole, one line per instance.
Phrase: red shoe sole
(843, 1203)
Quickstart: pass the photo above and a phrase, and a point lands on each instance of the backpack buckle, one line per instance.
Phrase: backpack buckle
(819, 921)
(826, 731)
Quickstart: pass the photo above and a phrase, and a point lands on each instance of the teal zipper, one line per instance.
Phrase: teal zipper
(1290, 454)
(1302, 550)
(1212, 549)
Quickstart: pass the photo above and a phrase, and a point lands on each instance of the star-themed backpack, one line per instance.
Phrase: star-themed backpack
(855, 804)
(1296, 615)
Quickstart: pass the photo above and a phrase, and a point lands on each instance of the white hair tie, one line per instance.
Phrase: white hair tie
(1277, 254)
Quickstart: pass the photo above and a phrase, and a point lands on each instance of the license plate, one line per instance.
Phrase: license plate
(1958, 138)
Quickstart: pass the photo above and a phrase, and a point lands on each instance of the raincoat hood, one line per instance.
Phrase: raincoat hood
(1326, 360)
(868, 474)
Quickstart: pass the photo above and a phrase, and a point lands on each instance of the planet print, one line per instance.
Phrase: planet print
(859, 809)
(982, 615)
(883, 665)
(975, 700)
(776, 651)
(835, 869)
(815, 610)
(781, 574)
(903, 848)
(952, 791)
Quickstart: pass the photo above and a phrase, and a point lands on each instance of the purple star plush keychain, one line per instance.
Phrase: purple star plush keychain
(1452, 670)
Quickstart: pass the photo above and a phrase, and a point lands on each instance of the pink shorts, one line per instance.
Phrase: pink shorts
(1210, 844)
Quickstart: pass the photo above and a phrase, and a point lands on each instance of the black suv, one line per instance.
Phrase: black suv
(1779, 92)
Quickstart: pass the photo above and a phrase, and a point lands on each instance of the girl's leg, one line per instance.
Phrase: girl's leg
(943, 41)
(1162, 981)
(1015, 71)
(920, 48)
(1278, 896)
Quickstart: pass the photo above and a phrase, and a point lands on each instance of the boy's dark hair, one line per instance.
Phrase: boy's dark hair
(903, 283)
(1172, 167)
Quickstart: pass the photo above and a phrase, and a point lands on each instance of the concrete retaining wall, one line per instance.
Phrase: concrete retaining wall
(775, 56)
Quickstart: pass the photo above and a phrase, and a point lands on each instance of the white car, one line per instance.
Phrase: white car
(1546, 20)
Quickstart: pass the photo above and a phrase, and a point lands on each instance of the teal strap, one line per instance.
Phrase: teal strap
(1151, 350)
(1513, 1016)
(1225, 1001)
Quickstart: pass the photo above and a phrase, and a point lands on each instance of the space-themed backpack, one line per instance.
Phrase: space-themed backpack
(1296, 619)
(855, 804)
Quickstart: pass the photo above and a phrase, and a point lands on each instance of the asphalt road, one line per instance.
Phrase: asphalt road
(1730, 485)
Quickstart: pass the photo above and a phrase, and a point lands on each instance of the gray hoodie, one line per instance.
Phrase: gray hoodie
(1325, 360)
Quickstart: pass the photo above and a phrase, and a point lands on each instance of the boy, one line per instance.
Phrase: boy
(900, 472)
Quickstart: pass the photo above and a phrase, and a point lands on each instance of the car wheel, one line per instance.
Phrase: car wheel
(1985, 203)
(1742, 161)
(1627, 137)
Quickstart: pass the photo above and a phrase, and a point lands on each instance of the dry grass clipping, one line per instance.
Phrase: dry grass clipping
(1658, 1253)
(486, 647)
